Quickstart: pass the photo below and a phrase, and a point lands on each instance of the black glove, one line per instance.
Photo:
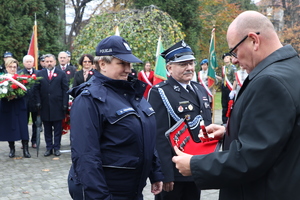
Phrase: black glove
(38, 106)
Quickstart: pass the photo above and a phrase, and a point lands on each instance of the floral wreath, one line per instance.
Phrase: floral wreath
(13, 86)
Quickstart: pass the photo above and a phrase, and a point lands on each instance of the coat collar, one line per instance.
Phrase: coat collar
(177, 87)
(282, 53)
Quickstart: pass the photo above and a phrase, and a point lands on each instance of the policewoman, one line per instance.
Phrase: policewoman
(113, 130)
(178, 97)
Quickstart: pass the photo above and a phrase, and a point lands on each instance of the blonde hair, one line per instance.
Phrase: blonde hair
(9, 61)
(106, 59)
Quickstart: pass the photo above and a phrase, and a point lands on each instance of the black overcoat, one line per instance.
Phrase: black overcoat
(52, 95)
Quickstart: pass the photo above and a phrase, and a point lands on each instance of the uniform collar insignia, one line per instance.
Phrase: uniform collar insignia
(176, 88)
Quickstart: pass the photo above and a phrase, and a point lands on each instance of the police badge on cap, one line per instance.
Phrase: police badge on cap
(179, 52)
(118, 47)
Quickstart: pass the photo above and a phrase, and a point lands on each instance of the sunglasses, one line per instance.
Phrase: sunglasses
(231, 52)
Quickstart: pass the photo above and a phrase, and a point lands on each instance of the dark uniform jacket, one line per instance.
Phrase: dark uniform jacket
(52, 95)
(113, 134)
(185, 106)
(261, 150)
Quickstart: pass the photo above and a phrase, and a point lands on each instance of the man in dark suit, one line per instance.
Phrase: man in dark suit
(28, 62)
(52, 98)
(260, 157)
(70, 70)
(176, 98)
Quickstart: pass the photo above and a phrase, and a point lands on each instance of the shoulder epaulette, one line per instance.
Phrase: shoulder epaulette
(161, 84)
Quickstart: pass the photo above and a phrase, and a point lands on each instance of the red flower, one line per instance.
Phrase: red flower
(24, 81)
(14, 86)
(33, 76)
(15, 76)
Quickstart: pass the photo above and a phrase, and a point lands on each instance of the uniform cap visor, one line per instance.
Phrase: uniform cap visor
(128, 58)
(183, 58)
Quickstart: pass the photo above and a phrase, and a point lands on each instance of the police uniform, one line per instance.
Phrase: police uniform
(171, 101)
(113, 141)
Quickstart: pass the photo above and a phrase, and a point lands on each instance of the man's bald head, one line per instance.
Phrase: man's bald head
(251, 21)
(256, 37)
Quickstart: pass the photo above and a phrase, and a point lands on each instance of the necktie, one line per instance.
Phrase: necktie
(188, 87)
(63, 67)
(50, 75)
(29, 72)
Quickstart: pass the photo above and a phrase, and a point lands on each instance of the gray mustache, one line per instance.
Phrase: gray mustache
(188, 73)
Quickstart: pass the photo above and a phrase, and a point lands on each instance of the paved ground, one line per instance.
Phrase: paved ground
(45, 178)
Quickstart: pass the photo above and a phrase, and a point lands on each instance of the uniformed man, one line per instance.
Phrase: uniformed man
(178, 97)
(228, 80)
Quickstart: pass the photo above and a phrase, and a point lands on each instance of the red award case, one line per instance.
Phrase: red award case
(180, 135)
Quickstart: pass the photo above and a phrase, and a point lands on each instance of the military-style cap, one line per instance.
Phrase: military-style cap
(7, 54)
(204, 61)
(178, 52)
(69, 53)
(117, 47)
(226, 54)
(42, 58)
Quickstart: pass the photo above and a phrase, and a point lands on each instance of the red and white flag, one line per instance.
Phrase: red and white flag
(33, 46)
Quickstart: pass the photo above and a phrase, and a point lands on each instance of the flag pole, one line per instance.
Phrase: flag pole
(213, 89)
(35, 43)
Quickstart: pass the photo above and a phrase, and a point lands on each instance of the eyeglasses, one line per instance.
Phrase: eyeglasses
(87, 61)
(12, 67)
(185, 64)
(231, 52)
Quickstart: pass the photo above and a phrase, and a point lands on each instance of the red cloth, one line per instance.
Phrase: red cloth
(230, 103)
(50, 75)
(150, 79)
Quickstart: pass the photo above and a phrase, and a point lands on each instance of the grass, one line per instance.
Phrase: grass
(218, 105)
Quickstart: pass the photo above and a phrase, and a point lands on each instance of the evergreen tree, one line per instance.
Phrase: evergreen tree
(17, 20)
(187, 13)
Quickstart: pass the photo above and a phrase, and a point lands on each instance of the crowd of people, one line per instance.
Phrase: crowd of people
(48, 99)
(119, 118)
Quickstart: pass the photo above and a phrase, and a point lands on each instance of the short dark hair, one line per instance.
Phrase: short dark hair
(86, 55)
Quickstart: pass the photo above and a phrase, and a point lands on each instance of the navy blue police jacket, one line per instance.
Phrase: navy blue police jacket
(113, 132)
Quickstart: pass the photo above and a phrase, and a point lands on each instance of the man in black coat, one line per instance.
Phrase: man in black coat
(186, 99)
(28, 62)
(52, 98)
(70, 70)
(260, 158)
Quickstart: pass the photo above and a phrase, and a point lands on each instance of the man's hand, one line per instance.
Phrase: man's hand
(156, 188)
(168, 186)
(182, 162)
(214, 132)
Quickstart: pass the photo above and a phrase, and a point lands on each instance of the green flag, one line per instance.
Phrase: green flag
(160, 73)
(212, 64)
